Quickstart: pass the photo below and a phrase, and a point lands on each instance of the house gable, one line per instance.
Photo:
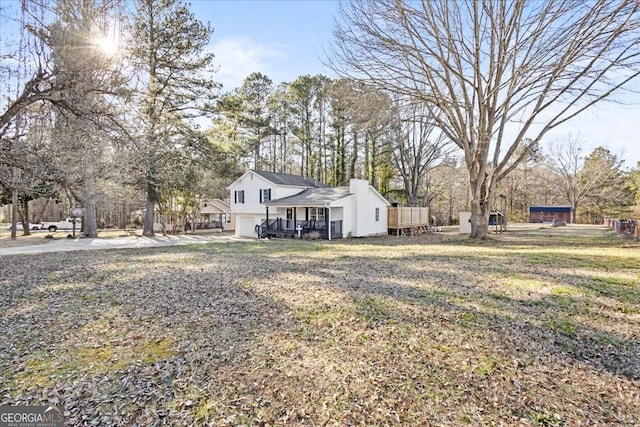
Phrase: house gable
(246, 193)
(214, 206)
(249, 192)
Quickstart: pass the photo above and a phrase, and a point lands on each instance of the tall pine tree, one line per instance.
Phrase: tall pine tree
(169, 51)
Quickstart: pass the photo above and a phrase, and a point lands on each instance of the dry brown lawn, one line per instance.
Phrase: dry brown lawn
(534, 327)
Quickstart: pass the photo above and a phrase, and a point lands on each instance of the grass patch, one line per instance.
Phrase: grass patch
(373, 310)
(42, 369)
(542, 418)
(521, 282)
(629, 309)
(564, 326)
(498, 297)
(566, 290)
(613, 287)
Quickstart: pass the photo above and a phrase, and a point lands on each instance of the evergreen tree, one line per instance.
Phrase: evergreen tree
(169, 52)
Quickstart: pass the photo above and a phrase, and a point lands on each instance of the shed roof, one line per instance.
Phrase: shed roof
(549, 208)
(312, 197)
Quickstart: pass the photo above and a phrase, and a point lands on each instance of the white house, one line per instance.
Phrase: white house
(210, 214)
(216, 213)
(273, 204)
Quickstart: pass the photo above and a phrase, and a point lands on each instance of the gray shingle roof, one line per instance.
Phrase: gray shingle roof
(288, 179)
(313, 197)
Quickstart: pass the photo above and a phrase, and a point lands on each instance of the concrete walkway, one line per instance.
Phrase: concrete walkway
(87, 244)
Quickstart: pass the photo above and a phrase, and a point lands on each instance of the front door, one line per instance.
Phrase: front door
(290, 223)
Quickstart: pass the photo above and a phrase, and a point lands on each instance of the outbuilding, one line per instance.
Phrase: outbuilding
(550, 214)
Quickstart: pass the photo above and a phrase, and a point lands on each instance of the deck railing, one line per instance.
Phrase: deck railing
(407, 217)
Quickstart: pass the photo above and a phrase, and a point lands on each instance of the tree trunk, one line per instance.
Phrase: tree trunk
(24, 216)
(89, 221)
(14, 213)
(354, 156)
(481, 191)
(479, 220)
(147, 226)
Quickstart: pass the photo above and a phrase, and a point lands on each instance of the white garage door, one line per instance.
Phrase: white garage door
(245, 226)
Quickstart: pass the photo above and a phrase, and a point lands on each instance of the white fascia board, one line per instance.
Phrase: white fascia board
(248, 173)
(380, 195)
(338, 203)
(238, 180)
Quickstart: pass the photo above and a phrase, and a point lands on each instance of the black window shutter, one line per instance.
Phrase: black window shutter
(235, 196)
(260, 195)
(269, 194)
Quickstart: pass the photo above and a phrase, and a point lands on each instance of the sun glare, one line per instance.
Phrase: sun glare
(109, 46)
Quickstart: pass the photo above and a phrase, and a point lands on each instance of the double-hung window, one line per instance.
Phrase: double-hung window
(316, 214)
(265, 195)
(238, 196)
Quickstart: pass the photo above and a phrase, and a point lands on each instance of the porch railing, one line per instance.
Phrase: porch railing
(282, 227)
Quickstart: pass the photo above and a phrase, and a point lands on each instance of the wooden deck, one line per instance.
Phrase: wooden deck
(408, 220)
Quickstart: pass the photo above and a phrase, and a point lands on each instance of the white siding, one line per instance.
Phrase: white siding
(375, 201)
(251, 184)
(358, 187)
(347, 218)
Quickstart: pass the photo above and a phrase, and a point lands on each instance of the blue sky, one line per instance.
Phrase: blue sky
(282, 39)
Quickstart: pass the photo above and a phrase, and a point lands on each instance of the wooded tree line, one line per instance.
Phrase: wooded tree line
(118, 110)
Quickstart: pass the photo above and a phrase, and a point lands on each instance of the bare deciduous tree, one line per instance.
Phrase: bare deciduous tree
(418, 147)
(496, 76)
(63, 74)
(576, 178)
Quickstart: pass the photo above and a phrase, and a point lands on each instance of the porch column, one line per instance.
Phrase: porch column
(267, 220)
(328, 216)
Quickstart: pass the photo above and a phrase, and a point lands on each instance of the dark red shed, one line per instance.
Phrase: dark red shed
(549, 213)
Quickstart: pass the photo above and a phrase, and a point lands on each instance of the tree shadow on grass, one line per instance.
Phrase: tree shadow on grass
(119, 342)
(492, 335)
(549, 315)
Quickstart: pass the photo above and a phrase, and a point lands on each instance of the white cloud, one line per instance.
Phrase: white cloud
(239, 57)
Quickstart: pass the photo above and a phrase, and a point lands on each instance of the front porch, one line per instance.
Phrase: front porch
(282, 227)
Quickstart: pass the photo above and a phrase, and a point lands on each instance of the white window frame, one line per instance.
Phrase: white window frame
(265, 195)
(317, 214)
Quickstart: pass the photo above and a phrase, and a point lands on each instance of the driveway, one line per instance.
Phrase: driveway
(86, 244)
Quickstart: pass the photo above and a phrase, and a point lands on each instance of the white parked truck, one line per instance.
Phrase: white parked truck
(67, 224)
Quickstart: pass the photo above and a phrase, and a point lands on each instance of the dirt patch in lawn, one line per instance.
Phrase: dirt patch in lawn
(528, 328)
